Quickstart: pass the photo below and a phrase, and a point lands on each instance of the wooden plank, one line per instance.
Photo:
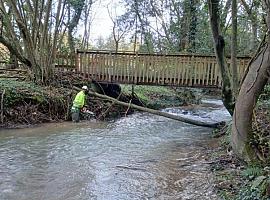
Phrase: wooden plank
(115, 68)
(119, 78)
(168, 68)
(136, 67)
(213, 72)
(142, 65)
(216, 74)
(120, 63)
(139, 69)
(175, 70)
(208, 66)
(186, 70)
(100, 67)
(148, 68)
(144, 68)
(125, 69)
(92, 57)
(182, 70)
(109, 66)
(179, 70)
(205, 63)
(159, 67)
(131, 59)
(162, 67)
(199, 71)
(154, 66)
(103, 69)
(195, 72)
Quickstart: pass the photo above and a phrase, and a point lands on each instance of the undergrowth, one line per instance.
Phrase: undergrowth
(249, 181)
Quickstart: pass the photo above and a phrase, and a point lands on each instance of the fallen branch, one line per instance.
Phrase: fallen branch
(156, 112)
(128, 107)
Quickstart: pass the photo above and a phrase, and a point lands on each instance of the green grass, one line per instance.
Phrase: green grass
(18, 91)
(146, 92)
(17, 85)
(162, 96)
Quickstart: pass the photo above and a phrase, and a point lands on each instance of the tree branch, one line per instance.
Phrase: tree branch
(14, 51)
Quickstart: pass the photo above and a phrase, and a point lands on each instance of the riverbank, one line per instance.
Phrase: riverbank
(235, 180)
(25, 103)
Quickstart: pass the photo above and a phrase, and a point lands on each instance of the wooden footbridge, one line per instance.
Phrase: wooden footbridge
(147, 69)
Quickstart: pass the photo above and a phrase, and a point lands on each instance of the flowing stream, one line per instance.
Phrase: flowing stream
(139, 157)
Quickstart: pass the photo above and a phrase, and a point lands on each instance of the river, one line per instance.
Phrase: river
(139, 157)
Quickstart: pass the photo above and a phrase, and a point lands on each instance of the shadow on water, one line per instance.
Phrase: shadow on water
(138, 157)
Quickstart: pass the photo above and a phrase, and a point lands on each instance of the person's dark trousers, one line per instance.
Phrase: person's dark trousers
(75, 114)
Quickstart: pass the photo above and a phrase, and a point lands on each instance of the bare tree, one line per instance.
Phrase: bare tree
(88, 15)
(31, 32)
(120, 28)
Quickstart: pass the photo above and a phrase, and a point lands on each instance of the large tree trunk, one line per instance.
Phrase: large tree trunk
(253, 84)
(250, 90)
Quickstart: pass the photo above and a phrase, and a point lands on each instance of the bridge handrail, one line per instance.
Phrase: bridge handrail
(81, 51)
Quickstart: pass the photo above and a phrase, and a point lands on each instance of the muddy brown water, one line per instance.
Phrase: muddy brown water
(139, 157)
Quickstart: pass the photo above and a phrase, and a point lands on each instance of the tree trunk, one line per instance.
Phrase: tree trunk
(253, 84)
(251, 88)
(78, 8)
(193, 26)
(252, 15)
(235, 82)
(219, 44)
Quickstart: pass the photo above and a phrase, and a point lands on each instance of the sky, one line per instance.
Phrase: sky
(102, 24)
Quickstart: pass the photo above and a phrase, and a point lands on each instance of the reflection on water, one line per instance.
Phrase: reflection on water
(138, 157)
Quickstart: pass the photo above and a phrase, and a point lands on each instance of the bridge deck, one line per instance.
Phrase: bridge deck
(150, 69)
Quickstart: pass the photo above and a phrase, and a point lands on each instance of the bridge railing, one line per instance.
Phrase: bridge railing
(155, 69)
(65, 62)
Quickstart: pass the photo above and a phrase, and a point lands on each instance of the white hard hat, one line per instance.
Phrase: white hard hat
(84, 87)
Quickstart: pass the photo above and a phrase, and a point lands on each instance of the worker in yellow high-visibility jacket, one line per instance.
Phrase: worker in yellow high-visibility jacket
(78, 104)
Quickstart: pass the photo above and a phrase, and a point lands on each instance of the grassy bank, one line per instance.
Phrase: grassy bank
(157, 97)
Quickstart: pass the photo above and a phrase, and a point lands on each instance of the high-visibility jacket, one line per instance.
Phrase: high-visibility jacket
(79, 100)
